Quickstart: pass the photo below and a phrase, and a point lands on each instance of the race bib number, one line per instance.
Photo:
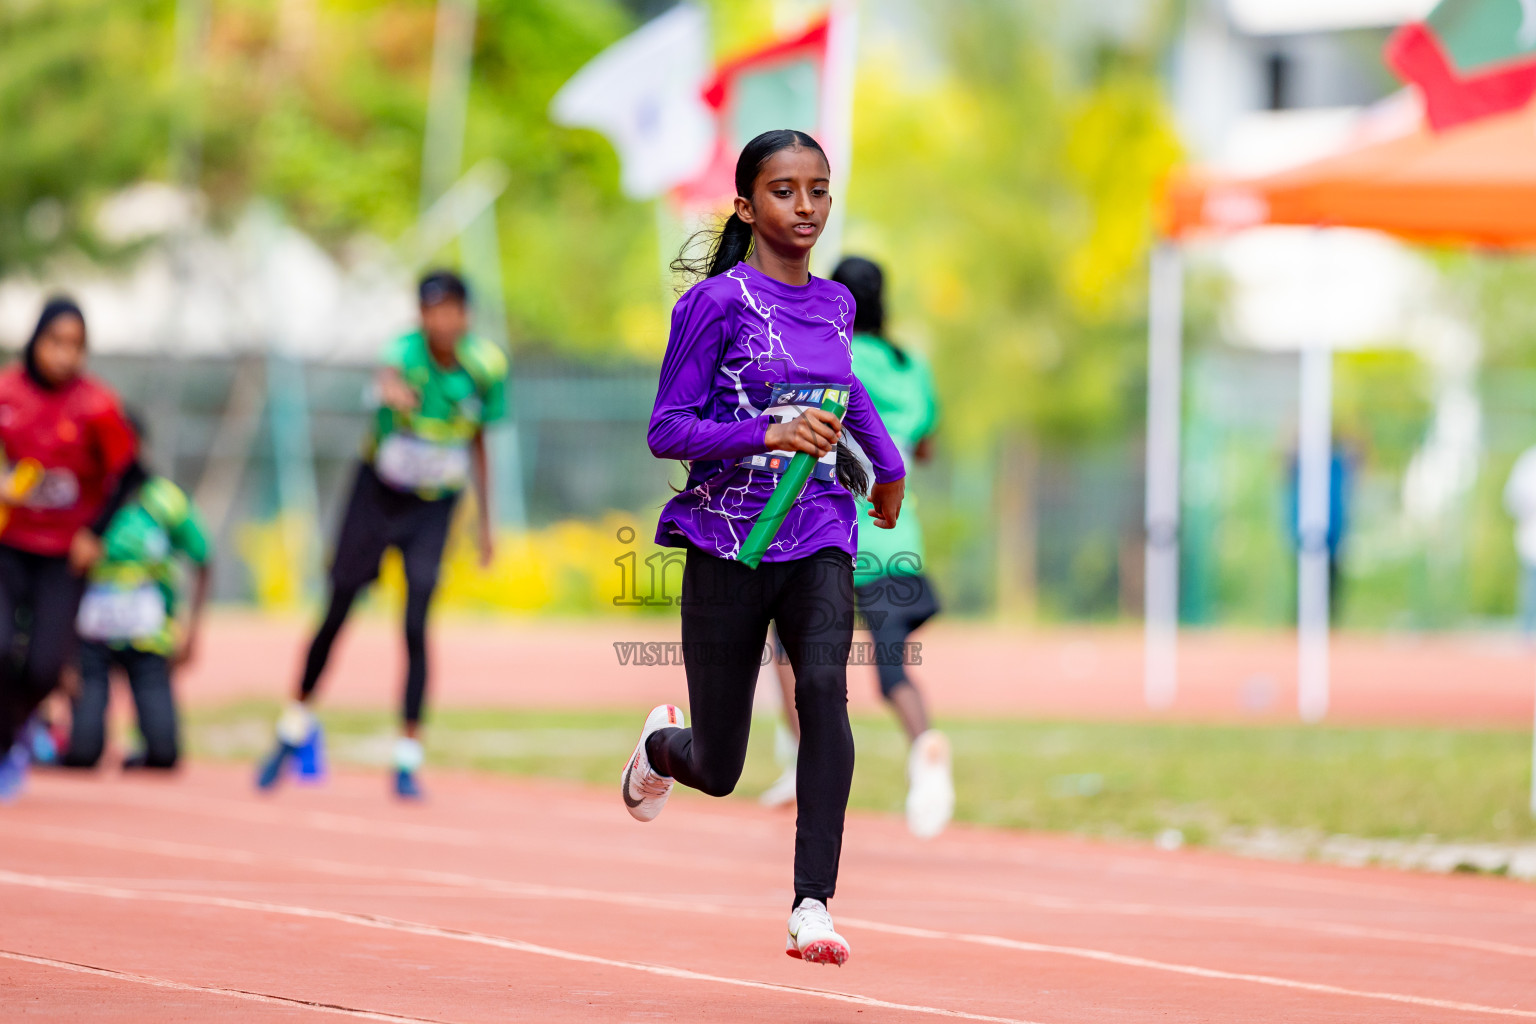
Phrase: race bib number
(58, 489)
(111, 614)
(787, 402)
(410, 463)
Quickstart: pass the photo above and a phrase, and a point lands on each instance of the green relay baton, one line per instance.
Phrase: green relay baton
(787, 491)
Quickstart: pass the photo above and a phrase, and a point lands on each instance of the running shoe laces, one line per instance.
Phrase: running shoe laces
(813, 915)
(650, 782)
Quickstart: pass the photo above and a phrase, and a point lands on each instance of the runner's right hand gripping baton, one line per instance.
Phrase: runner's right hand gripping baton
(787, 491)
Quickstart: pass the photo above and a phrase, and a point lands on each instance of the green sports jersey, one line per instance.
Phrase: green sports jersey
(132, 593)
(902, 392)
(426, 451)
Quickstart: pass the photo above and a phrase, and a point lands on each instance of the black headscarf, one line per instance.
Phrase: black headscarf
(866, 281)
(54, 308)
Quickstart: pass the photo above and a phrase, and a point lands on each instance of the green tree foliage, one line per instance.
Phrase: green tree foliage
(86, 104)
(1017, 193)
(322, 104)
(1013, 178)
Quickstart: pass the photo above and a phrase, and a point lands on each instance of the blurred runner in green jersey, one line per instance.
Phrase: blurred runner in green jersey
(128, 619)
(894, 595)
(438, 389)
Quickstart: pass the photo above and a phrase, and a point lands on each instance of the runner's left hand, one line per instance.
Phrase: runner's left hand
(487, 545)
(885, 502)
(85, 550)
(184, 653)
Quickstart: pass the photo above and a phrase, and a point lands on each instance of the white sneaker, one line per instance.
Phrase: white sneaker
(645, 791)
(931, 790)
(812, 937)
(782, 792)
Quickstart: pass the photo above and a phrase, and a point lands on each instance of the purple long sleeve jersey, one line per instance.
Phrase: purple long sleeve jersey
(734, 337)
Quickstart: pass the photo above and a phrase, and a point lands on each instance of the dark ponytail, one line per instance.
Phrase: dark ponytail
(732, 241)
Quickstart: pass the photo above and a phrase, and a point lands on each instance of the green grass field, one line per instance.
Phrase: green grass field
(1103, 779)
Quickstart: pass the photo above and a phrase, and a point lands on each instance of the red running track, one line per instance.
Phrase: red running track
(967, 670)
(192, 899)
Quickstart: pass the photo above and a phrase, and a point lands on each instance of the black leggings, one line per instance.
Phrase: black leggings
(149, 677)
(726, 610)
(378, 518)
(417, 600)
(39, 599)
(892, 607)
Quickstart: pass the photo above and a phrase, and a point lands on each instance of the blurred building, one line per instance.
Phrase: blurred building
(1260, 86)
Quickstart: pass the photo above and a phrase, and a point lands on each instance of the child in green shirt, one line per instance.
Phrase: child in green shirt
(128, 618)
(439, 388)
(895, 597)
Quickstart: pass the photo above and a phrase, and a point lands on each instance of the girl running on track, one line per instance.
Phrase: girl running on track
(757, 327)
(895, 597)
(438, 389)
(128, 618)
(68, 458)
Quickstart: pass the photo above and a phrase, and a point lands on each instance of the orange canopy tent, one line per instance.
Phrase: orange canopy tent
(1471, 185)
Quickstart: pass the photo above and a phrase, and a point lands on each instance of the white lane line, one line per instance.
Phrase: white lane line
(986, 847)
(231, 993)
(1164, 868)
(482, 939)
(1118, 909)
(353, 869)
(965, 849)
(993, 941)
(1103, 956)
(525, 890)
(347, 824)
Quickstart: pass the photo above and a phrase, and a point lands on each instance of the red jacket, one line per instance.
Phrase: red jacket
(79, 435)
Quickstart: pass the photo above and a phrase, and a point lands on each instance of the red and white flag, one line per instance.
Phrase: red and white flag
(803, 81)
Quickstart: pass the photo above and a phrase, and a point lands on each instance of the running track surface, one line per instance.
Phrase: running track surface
(192, 899)
(966, 670)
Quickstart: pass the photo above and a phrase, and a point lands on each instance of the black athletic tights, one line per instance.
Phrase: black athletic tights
(418, 598)
(726, 610)
(376, 519)
(39, 593)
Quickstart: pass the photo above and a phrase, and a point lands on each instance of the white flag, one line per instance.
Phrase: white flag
(645, 94)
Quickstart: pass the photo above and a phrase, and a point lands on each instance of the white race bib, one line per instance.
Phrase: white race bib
(58, 489)
(788, 402)
(410, 463)
(110, 614)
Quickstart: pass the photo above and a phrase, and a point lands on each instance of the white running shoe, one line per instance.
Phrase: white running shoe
(782, 792)
(645, 790)
(930, 788)
(812, 937)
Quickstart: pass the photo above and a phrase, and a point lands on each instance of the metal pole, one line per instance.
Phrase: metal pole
(1313, 498)
(836, 117)
(480, 244)
(288, 417)
(1164, 369)
(443, 146)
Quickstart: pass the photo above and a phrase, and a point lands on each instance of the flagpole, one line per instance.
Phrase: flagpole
(442, 149)
(836, 117)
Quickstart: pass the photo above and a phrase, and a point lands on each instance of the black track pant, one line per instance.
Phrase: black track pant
(892, 607)
(39, 599)
(149, 677)
(378, 518)
(726, 610)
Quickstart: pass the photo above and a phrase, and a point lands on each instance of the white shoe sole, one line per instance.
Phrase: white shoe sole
(664, 716)
(818, 951)
(931, 798)
(781, 793)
